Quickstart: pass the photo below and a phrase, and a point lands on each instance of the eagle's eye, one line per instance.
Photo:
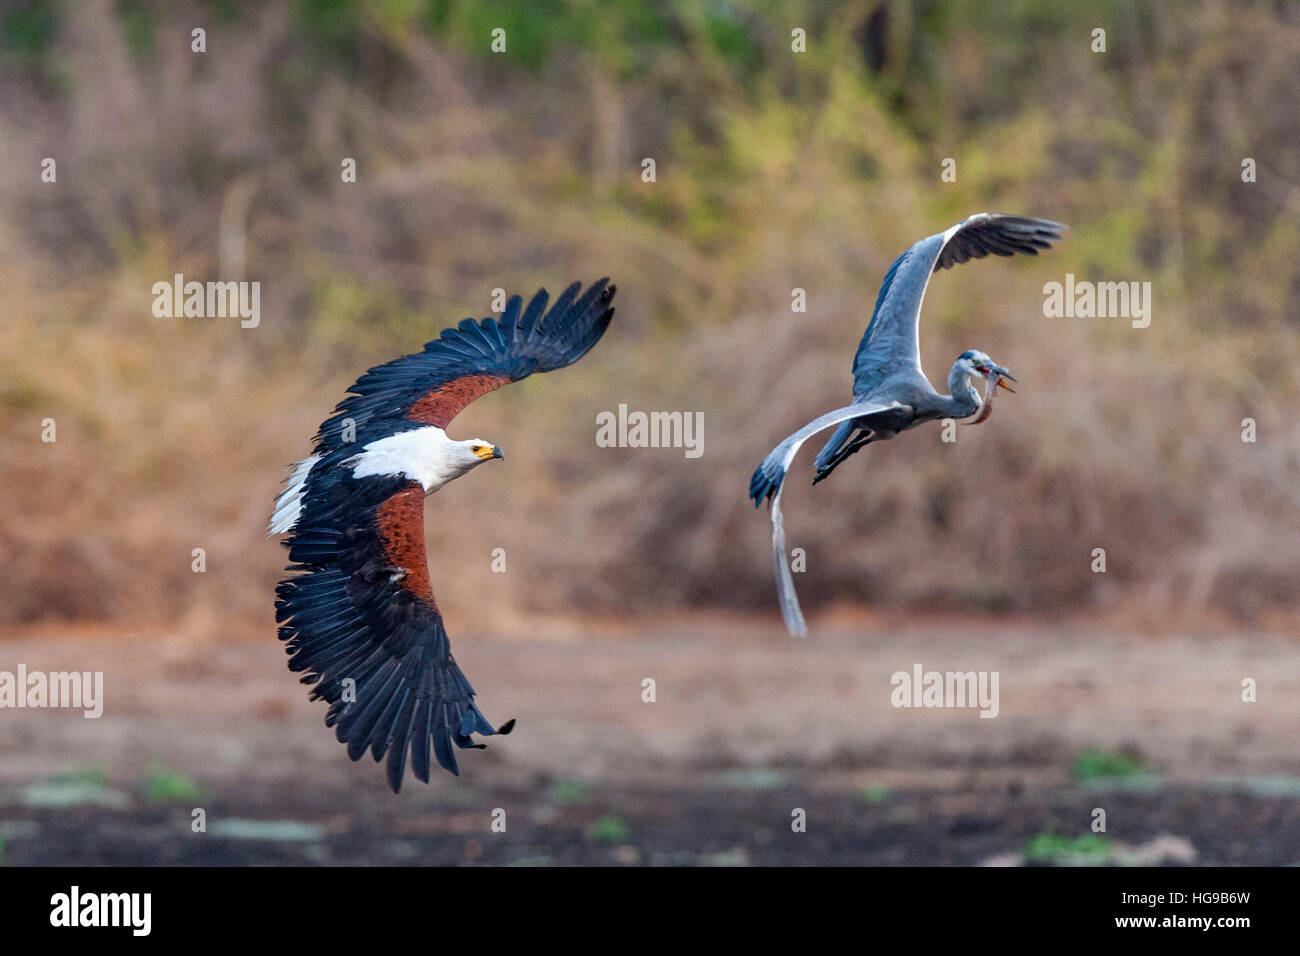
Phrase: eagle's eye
(478, 449)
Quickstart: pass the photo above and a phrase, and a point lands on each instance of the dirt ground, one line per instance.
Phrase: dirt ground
(747, 729)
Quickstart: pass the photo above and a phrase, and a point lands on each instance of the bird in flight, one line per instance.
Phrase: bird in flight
(359, 619)
(890, 391)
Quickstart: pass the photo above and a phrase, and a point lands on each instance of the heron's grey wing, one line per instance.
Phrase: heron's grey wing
(769, 480)
(891, 341)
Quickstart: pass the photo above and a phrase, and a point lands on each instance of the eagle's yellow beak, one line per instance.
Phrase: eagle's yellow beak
(487, 452)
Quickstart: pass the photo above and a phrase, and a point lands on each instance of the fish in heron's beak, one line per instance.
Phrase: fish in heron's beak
(994, 376)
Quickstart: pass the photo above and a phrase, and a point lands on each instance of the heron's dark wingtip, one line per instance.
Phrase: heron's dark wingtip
(762, 486)
(508, 726)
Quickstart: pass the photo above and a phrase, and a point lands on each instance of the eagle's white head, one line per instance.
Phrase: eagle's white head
(473, 452)
(425, 455)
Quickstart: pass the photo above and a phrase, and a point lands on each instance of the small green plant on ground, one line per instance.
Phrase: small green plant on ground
(1089, 849)
(169, 786)
(1094, 763)
(875, 794)
(609, 829)
(92, 776)
(568, 792)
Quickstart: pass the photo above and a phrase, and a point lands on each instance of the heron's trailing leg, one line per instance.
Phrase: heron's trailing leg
(864, 438)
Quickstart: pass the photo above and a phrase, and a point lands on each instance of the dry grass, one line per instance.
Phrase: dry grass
(173, 434)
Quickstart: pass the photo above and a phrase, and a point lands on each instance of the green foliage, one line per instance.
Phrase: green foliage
(333, 25)
(223, 11)
(27, 27)
(535, 29)
(169, 786)
(569, 792)
(92, 776)
(875, 794)
(625, 36)
(88, 786)
(1089, 849)
(1094, 763)
(138, 26)
(609, 829)
(728, 35)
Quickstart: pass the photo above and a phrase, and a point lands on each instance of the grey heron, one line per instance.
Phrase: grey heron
(891, 393)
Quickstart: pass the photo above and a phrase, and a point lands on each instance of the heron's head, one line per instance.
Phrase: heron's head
(978, 365)
(474, 451)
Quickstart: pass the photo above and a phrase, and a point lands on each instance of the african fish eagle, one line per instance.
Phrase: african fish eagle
(359, 619)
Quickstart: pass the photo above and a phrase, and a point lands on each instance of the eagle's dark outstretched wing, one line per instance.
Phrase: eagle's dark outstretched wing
(359, 619)
(431, 387)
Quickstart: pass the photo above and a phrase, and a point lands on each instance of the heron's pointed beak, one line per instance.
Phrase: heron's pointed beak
(1003, 375)
(497, 452)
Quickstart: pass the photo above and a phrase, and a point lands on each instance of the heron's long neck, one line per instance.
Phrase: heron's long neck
(963, 401)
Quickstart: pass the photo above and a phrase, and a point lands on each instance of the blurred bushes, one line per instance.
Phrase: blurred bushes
(774, 171)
